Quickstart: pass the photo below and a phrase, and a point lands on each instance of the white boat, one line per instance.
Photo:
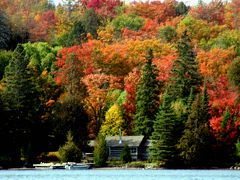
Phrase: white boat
(49, 166)
(76, 166)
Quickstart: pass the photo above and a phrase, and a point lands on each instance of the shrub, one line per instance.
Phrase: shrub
(167, 33)
(70, 152)
(125, 155)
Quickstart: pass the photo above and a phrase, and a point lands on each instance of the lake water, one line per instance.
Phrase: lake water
(120, 174)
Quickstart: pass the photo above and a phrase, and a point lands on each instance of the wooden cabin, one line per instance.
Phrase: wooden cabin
(137, 144)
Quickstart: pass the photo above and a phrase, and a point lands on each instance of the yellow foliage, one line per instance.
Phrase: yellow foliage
(106, 34)
(113, 122)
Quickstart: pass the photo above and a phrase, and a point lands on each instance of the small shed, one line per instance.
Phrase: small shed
(115, 145)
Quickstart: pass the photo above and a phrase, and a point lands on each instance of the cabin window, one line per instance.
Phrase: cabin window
(133, 150)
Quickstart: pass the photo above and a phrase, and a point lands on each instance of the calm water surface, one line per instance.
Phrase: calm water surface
(120, 174)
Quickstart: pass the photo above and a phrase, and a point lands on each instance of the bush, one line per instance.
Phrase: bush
(130, 21)
(125, 155)
(167, 33)
(70, 152)
(100, 153)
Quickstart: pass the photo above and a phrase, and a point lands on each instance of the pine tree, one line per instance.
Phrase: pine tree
(163, 137)
(185, 76)
(70, 152)
(21, 99)
(195, 144)
(100, 153)
(125, 155)
(147, 98)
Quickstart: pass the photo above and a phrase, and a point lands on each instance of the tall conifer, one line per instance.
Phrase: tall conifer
(195, 144)
(22, 101)
(185, 78)
(147, 98)
(163, 140)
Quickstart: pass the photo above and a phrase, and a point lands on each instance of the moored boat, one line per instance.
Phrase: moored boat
(77, 166)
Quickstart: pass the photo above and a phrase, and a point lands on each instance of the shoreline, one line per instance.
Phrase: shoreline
(131, 168)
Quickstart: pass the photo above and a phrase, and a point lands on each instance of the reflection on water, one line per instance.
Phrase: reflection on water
(120, 174)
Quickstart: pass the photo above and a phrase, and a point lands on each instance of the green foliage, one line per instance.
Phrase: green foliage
(181, 9)
(234, 73)
(116, 96)
(75, 36)
(227, 39)
(130, 21)
(69, 152)
(91, 22)
(163, 137)
(125, 155)
(71, 116)
(113, 121)
(226, 118)
(195, 144)
(100, 151)
(5, 32)
(167, 33)
(5, 56)
(42, 57)
(21, 99)
(147, 98)
(238, 149)
(185, 77)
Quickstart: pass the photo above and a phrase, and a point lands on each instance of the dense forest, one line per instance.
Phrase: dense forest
(164, 70)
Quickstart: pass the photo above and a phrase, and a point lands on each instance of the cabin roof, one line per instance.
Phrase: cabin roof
(131, 141)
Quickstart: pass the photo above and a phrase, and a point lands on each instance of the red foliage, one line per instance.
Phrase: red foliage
(105, 8)
(131, 82)
(164, 66)
(212, 12)
(42, 26)
(82, 52)
(98, 85)
(148, 31)
(221, 97)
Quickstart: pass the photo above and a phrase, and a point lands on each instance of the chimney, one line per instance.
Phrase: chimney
(120, 136)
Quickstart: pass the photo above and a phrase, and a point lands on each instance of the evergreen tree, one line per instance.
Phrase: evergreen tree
(91, 22)
(72, 117)
(195, 144)
(147, 98)
(125, 155)
(69, 152)
(100, 153)
(163, 137)
(5, 32)
(20, 97)
(181, 9)
(185, 76)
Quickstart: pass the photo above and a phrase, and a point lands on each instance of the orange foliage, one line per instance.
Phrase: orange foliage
(83, 54)
(215, 63)
(148, 31)
(98, 85)
(155, 10)
(164, 66)
(131, 83)
(120, 58)
(232, 14)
